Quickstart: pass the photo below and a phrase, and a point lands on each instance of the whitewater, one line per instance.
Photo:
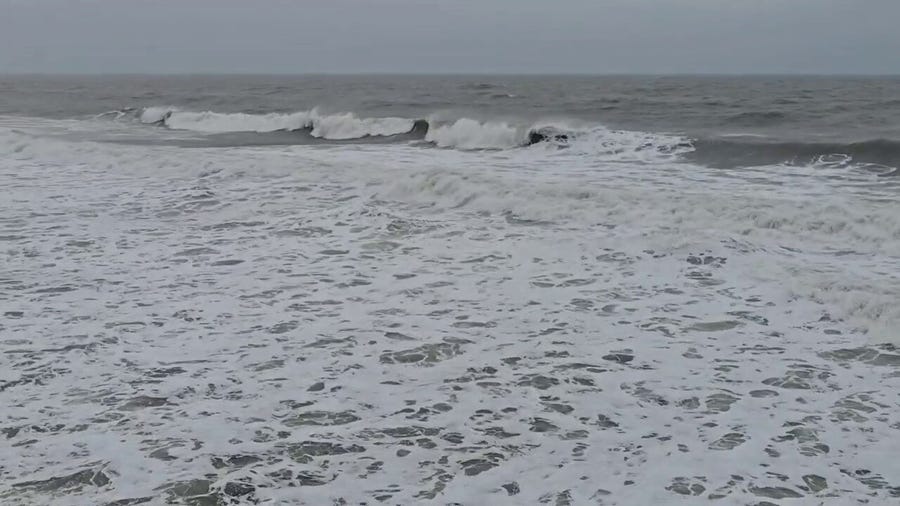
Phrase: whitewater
(461, 133)
(308, 307)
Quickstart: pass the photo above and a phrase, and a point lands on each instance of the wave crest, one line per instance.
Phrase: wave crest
(471, 134)
(724, 151)
(334, 127)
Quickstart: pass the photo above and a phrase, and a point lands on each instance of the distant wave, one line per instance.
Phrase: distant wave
(462, 133)
(334, 127)
(726, 151)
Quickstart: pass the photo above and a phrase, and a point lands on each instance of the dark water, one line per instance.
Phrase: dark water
(734, 120)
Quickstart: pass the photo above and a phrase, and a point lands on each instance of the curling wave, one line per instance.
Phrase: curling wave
(335, 127)
(463, 133)
(471, 134)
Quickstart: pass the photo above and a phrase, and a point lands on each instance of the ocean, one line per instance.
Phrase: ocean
(334, 290)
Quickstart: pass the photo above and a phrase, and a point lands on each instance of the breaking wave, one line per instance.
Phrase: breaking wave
(461, 133)
(471, 134)
(475, 134)
(335, 127)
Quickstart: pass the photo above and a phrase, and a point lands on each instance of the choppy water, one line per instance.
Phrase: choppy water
(205, 315)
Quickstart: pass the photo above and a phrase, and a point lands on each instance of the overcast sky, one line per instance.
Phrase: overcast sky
(456, 36)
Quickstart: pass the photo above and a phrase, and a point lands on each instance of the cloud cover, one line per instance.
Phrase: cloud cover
(450, 36)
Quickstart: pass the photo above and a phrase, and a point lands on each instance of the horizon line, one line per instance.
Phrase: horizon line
(442, 74)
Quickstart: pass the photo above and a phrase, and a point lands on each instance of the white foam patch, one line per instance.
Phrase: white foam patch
(348, 126)
(393, 323)
(468, 133)
(214, 122)
(629, 146)
(156, 114)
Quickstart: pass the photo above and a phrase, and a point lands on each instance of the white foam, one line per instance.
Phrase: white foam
(335, 127)
(468, 133)
(630, 146)
(228, 282)
(214, 122)
(156, 114)
(349, 126)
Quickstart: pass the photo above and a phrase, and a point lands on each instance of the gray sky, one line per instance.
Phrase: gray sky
(426, 36)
